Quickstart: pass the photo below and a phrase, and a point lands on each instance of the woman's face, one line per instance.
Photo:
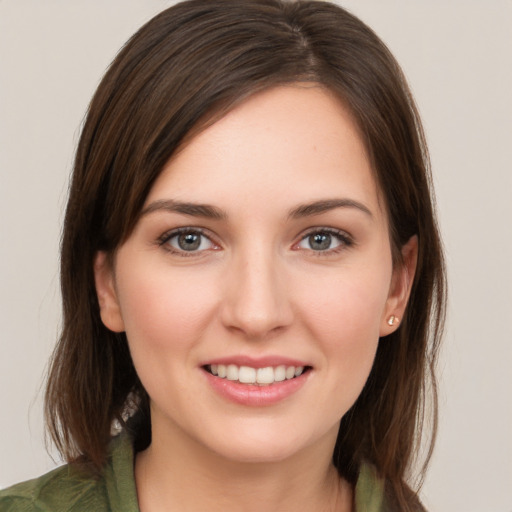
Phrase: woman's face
(262, 254)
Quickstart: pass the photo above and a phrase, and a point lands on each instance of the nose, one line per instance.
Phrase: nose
(256, 299)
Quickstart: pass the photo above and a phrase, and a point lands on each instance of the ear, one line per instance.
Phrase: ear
(107, 295)
(400, 289)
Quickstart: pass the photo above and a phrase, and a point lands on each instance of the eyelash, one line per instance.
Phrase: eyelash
(344, 239)
(164, 240)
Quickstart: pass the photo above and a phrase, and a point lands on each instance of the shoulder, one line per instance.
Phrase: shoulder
(374, 494)
(68, 488)
(369, 491)
(60, 490)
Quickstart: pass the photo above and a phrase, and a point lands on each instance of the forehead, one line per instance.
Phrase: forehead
(288, 144)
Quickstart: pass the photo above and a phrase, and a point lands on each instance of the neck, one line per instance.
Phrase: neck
(182, 475)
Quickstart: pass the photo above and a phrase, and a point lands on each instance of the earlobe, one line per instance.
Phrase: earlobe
(107, 296)
(401, 285)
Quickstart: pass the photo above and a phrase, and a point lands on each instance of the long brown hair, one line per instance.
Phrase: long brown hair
(182, 70)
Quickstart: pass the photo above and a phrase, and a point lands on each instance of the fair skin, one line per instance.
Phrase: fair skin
(282, 259)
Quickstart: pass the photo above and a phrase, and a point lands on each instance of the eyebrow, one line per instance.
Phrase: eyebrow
(318, 207)
(192, 209)
(212, 212)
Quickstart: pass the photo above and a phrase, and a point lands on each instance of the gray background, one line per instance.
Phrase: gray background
(457, 56)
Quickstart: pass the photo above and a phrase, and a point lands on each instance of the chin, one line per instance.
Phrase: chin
(264, 446)
(267, 453)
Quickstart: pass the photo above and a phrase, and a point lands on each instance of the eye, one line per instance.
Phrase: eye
(186, 240)
(325, 240)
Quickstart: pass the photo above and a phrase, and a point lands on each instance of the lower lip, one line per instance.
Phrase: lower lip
(253, 395)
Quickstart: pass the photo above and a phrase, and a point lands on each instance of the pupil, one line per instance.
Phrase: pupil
(189, 241)
(320, 241)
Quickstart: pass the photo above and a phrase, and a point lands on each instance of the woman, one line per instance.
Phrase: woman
(252, 276)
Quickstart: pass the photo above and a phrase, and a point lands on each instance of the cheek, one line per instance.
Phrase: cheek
(344, 317)
(164, 319)
(348, 306)
(162, 309)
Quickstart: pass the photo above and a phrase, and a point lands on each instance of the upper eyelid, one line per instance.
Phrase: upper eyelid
(185, 229)
(325, 229)
(346, 240)
(171, 233)
(163, 242)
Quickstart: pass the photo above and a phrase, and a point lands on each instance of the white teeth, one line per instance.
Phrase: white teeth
(247, 375)
(262, 376)
(232, 372)
(290, 372)
(265, 375)
(280, 373)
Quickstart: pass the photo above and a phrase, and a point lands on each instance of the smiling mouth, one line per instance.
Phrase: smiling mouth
(256, 376)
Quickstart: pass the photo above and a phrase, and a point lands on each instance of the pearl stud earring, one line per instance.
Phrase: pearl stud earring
(392, 320)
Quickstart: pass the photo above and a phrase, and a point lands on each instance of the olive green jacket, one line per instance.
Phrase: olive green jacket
(65, 490)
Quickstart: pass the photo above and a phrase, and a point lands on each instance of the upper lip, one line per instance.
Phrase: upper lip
(256, 362)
